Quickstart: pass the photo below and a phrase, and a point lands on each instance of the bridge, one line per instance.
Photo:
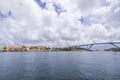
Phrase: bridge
(89, 46)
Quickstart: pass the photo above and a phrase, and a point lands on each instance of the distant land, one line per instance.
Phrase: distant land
(39, 48)
(113, 49)
(44, 48)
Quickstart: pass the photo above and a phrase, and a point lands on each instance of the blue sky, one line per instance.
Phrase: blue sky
(41, 4)
(59, 22)
(58, 8)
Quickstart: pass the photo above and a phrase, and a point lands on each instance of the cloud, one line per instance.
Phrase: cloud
(36, 22)
(85, 5)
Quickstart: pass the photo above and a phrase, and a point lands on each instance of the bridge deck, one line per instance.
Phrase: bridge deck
(100, 43)
(90, 45)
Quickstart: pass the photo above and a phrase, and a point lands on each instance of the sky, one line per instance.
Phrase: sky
(59, 22)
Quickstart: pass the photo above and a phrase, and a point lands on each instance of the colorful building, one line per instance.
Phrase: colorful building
(14, 48)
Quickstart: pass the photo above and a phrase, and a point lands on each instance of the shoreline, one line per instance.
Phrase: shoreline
(58, 51)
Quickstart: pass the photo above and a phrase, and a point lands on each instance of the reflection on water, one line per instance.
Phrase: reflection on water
(60, 66)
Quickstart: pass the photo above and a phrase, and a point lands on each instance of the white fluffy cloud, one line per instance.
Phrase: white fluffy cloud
(24, 22)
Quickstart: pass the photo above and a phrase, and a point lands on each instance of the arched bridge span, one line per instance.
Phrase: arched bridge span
(89, 46)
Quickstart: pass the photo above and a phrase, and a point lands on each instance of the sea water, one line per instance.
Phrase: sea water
(60, 65)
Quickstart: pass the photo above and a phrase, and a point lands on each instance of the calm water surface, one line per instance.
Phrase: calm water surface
(60, 66)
